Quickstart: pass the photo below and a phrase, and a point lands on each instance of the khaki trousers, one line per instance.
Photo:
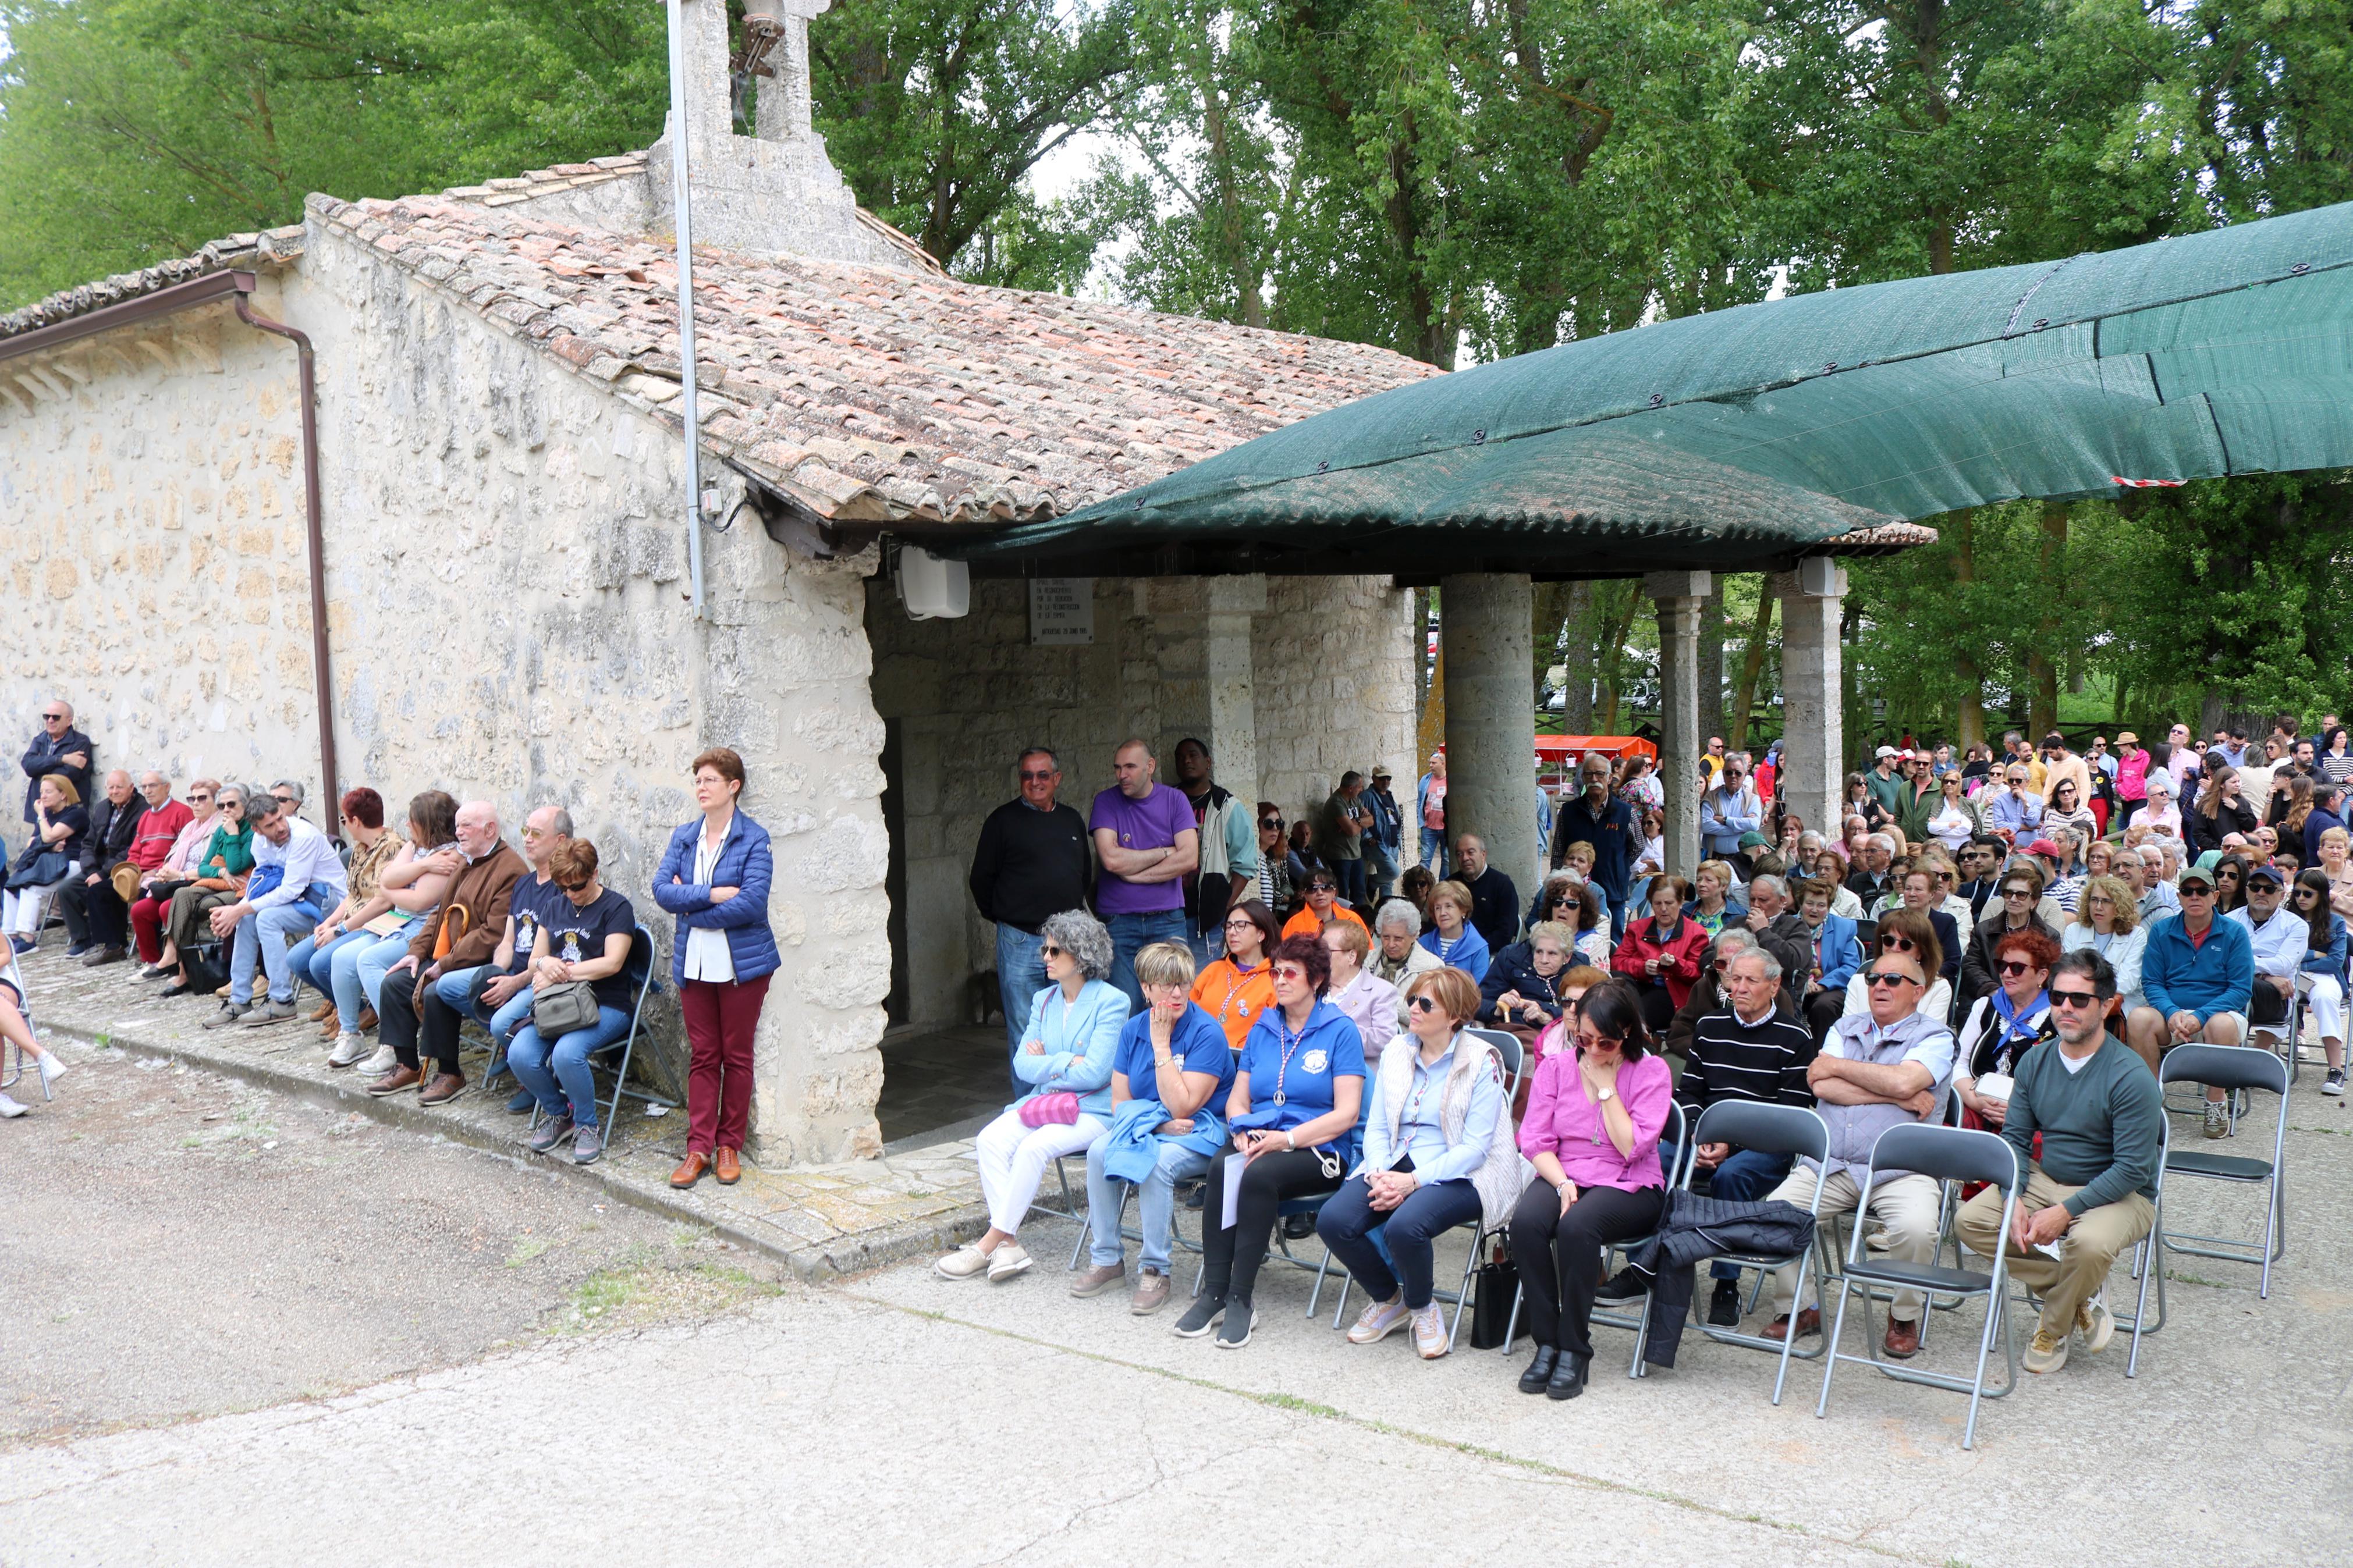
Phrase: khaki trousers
(1904, 1207)
(2086, 1252)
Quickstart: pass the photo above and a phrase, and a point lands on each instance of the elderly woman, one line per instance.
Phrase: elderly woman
(1711, 903)
(2004, 1024)
(2336, 864)
(1522, 991)
(2108, 921)
(1595, 1116)
(1660, 953)
(2323, 970)
(1831, 870)
(1955, 820)
(1452, 937)
(1371, 1003)
(177, 871)
(1652, 859)
(1557, 901)
(1237, 988)
(1399, 955)
(582, 935)
(1297, 1093)
(1438, 1155)
(1169, 1074)
(222, 870)
(1908, 931)
(49, 858)
(1066, 1057)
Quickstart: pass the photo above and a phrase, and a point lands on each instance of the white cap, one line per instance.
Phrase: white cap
(1883, 752)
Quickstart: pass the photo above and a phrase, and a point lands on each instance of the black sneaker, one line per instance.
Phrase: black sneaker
(1723, 1304)
(1234, 1333)
(2335, 1082)
(1298, 1226)
(1624, 1286)
(77, 949)
(1201, 1316)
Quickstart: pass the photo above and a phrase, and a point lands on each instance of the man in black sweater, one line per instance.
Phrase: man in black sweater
(1494, 901)
(1757, 1050)
(1031, 862)
(95, 918)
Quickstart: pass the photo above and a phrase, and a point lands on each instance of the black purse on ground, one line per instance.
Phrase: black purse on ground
(1494, 1285)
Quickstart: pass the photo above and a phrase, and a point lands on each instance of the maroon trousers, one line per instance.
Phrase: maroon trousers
(721, 1017)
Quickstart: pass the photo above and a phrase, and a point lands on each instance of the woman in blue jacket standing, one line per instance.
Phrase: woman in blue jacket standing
(714, 878)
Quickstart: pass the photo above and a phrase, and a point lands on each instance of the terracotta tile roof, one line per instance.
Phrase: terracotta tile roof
(871, 396)
(270, 247)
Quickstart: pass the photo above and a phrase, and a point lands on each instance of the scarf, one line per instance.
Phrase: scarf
(2013, 1030)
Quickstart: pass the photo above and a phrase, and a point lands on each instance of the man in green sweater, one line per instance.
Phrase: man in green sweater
(2091, 1195)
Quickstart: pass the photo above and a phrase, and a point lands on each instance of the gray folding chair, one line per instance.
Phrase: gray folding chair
(639, 972)
(2234, 1069)
(2146, 1260)
(1944, 1154)
(1794, 1129)
(13, 1060)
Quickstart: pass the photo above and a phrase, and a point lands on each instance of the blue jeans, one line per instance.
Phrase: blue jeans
(1433, 850)
(1382, 870)
(371, 964)
(1352, 883)
(1131, 934)
(541, 1068)
(315, 966)
(1348, 1220)
(1746, 1176)
(264, 935)
(1020, 975)
(1155, 1203)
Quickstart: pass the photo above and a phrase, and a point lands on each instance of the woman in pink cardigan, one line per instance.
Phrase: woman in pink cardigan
(1592, 1131)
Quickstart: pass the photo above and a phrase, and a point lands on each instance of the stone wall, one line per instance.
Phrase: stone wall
(1330, 689)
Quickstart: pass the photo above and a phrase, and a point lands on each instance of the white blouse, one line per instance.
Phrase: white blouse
(707, 953)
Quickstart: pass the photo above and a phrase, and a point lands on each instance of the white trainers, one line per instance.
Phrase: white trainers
(1007, 1260)
(966, 1262)
(349, 1048)
(383, 1062)
(9, 1108)
(1429, 1333)
(53, 1068)
(1379, 1321)
(2097, 1323)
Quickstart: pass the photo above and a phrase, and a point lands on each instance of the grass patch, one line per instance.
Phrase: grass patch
(643, 1288)
(527, 1248)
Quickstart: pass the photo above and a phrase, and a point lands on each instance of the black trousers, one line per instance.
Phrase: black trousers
(1823, 1009)
(1658, 1006)
(95, 914)
(412, 1011)
(1559, 1255)
(1231, 1258)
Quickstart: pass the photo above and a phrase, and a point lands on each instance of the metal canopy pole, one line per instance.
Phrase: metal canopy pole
(681, 205)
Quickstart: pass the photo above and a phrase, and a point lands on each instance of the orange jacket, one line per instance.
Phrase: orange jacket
(1235, 996)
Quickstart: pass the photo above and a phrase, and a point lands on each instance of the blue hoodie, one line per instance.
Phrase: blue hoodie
(1471, 952)
(2216, 976)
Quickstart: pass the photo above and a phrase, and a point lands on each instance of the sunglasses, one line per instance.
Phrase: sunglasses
(1322, 887)
(575, 887)
(1895, 943)
(284, 799)
(1879, 977)
(1422, 1004)
(1051, 951)
(55, 718)
(1290, 972)
(2018, 892)
(1275, 823)
(1036, 776)
(2084, 999)
(198, 799)
(2012, 966)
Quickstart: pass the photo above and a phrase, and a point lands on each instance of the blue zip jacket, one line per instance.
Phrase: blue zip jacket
(743, 863)
(2331, 959)
(1471, 954)
(2218, 977)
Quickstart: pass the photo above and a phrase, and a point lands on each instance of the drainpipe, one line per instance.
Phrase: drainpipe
(310, 514)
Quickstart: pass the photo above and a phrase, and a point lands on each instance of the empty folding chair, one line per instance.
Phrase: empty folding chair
(2235, 1069)
(2146, 1262)
(1944, 1154)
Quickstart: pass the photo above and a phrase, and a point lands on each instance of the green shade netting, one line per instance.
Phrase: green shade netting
(1775, 426)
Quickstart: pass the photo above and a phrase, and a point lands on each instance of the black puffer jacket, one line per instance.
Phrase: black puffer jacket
(1697, 1228)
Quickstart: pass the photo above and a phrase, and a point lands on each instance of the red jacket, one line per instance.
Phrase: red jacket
(1688, 951)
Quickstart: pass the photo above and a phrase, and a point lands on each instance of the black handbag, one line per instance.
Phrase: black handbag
(1495, 1284)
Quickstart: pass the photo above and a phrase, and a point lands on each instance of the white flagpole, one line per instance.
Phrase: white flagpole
(681, 205)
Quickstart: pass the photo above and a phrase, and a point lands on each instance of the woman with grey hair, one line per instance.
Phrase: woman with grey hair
(1066, 1057)
(1397, 955)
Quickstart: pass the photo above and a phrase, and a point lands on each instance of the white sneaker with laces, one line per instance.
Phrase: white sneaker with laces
(53, 1068)
(349, 1048)
(1379, 1321)
(1429, 1333)
(964, 1263)
(2097, 1323)
(383, 1062)
(10, 1109)
(1007, 1260)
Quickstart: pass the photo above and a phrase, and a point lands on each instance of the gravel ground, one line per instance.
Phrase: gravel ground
(176, 1245)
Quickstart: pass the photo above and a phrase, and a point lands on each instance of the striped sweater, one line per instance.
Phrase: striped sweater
(1732, 1060)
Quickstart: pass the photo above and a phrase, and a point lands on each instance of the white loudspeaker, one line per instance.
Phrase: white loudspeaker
(1820, 576)
(933, 588)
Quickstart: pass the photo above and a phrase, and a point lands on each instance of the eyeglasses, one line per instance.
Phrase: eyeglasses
(1422, 1004)
(1051, 951)
(1290, 972)
(2084, 999)
(575, 887)
(1879, 977)
(1036, 776)
(2012, 966)
(1243, 924)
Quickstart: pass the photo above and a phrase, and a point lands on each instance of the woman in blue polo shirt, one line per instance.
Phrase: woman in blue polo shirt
(1298, 1089)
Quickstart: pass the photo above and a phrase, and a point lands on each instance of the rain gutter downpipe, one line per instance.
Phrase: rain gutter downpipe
(681, 207)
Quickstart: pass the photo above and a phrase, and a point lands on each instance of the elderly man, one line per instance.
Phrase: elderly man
(1398, 955)
(2086, 1121)
(2276, 935)
(1727, 813)
(2143, 871)
(59, 748)
(2326, 800)
(2012, 811)
(1494, 901)
(1030, 862)
(296, 880)
(1877, 1069)
(2198, 975)
(483, 873)
(1597, 817)
(1146, 842)
(96, 920)
(497, 994)
(1871, 881)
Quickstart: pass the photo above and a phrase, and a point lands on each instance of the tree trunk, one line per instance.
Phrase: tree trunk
(1971, 727)
(1617, 627)
(2042, 667)
(1576, 717)
(1433, 733)
(1744, 695)
(1547, 617)
(1711, 664)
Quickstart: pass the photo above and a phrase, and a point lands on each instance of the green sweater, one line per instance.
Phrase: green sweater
(2101, 1124)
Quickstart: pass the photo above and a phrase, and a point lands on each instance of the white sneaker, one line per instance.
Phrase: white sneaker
(383, 1062)
(1379, 1321)
(349, 1048)
(9, 1108)
(966, 1262)
(53, 1068)
(2097, 1323)
(1007, 1260)
(1429, 1333)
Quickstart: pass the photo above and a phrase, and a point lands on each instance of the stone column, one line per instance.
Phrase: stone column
(1679, 595)
(1206, 676)
(1813, 740)
(1491, 726)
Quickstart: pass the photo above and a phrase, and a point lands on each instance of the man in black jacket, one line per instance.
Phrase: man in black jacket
(96, 920)
(1031, 862)
(1494, 901)
(59, 748)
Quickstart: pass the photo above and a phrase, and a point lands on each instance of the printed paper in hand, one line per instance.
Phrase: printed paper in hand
(1235, 1164)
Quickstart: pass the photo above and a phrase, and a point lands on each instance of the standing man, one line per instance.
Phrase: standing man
(2102, 759)
(1882, 782)
(297, 879)
(59, 748)
(1714, 761)
(1146, 843)
(98, 921)
(1728, 813)
(1344, 819)
(1385, 847)
(1429, 806)
(1228, 870)
(1495, 902)
(1596, 817)
(1031, 862)
(2324, 815)
(2059, 762)
(2184, 763)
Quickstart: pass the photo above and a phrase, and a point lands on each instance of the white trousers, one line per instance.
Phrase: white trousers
(20, 914)
(1013, 1160)
(2324, 999)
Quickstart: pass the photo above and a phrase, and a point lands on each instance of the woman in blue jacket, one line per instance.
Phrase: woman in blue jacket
(2323, 970)
(714, 878)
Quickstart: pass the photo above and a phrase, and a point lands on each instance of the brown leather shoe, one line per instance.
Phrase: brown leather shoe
(367, 1019)
(444, 1087)
(393, 1082)
(323, 1011)
(726, 1168)
(690, 1170)
(334, 1025)
(1809, 1321)
(1902, 1340)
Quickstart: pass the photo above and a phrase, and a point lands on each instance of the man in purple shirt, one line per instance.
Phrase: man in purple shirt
(1146, 842)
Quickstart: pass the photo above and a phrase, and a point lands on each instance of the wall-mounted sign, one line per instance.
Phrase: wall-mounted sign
(1061, 611)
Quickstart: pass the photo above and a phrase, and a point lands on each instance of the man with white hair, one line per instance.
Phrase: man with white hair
(474, 911)
(97, 921)
(1871, 881)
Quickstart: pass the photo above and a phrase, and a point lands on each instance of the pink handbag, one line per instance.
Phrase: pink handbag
(1061, 1109)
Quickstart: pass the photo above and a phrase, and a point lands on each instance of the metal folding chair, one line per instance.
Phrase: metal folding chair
(1944, 1154)
(2234, 1069)
(13, 1061)
(2145, 1260)
(639, 972)
(1794, 1129)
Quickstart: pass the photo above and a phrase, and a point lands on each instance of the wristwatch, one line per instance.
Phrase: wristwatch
(1606, 1096)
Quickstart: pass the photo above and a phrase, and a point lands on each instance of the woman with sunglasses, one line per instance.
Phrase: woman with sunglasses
(1660, 953)
(2019, 892)
(1323, 908)
(2230, 880)
(2064, 808)
(2006, 1023)
(1909, 931)
(1955, 820)
(1298, 1089)
(584, 934)
(2108, 921)
(2322, 975)
(221, 873)
(1276, 888)
(1066, 1058)
(1594, 1114)
(1236, 989)
(1554, 903)
(1438, 1155)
